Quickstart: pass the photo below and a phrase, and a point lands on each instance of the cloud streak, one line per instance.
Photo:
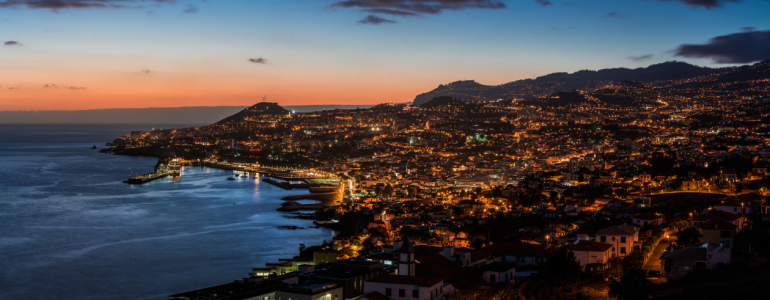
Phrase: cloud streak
(258, 60)
(412, 8)
(544, 2)
(191, 9)
(11, 43)
(375, 20)
(708, 4)
(640, 58)
(736, 48)
(79, 4)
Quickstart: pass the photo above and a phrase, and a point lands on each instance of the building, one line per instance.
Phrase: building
(347, 274)
(704, 256)
(647, 219)
(623, 237)
(592, 255)
(521, 254)
(499, 272)
(311, 290)
(405, 285)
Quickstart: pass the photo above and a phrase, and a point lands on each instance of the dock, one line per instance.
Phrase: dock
(141, 179)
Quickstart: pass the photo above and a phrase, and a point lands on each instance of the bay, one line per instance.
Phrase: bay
(71, 229)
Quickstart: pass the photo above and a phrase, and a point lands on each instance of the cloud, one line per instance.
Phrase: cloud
(640, 58)
(414, 7)
(708, 4)
(50, 86)
(146, 71)
(544, 2)
(375, 20)
(393, 12)
(191, 9)
(78, 4)
(613, 14)
(748, 29)
(735, 48)
(75, 88)
(11, 43)
(258, 60)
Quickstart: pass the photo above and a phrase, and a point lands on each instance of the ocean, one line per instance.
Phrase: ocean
(71, 229)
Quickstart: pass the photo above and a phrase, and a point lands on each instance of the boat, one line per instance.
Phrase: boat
(175, 167)
(231, 178)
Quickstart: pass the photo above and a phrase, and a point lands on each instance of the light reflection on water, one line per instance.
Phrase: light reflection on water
(70, 229)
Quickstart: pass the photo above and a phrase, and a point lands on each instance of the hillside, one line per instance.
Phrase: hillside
(256, 111)
(442, 101)
(585, 80)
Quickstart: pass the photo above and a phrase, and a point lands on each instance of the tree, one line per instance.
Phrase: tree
(387, 191)
(632, 285)
(634, 260)
(302, 248)
(562, 268)
(478, 244)
(688, 237)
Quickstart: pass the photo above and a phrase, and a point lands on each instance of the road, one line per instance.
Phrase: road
(654, 262)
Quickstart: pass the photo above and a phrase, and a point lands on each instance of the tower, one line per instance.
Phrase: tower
(406, 259)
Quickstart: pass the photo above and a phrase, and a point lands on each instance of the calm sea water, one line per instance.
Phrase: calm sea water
(70, 229)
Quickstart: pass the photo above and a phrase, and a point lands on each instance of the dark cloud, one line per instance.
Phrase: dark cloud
(50, 86)
(417, 7)
(640, 58)
(258, 60)
(392, 12)
(76, 88)
(748, 29)
(11, 43)
(191, 9)
(708, 4)
(146, 71)
(736, 48)
(544, 2)
(75, 4)
(375, 20)
(613, 14)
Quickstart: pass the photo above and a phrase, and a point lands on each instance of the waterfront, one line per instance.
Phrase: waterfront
(70, 228)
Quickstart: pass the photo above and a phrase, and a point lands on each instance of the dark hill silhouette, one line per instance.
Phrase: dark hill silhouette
(585, 80)
(442, 101)
(256, 111)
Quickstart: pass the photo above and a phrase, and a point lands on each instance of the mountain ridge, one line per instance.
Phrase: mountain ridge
(470, 90)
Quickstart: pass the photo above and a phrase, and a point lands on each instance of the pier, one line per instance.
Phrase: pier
(157, 174)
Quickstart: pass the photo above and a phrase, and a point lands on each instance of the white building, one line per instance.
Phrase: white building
(623, 237)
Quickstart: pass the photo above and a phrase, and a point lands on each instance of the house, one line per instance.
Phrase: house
(735, 219)
(735, 206)
(703, 256)
(717, 231)
(521, 254)
(647, 218)
(311, 290)
(623, 237)
(405, 285)
(499, 272)
(592, 255)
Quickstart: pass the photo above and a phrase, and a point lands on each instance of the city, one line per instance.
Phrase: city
(384, 149)
(450, 198)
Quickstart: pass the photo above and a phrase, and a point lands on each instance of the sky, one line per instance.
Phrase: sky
(92, 54)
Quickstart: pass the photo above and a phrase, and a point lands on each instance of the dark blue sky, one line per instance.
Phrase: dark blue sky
(100, 53)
